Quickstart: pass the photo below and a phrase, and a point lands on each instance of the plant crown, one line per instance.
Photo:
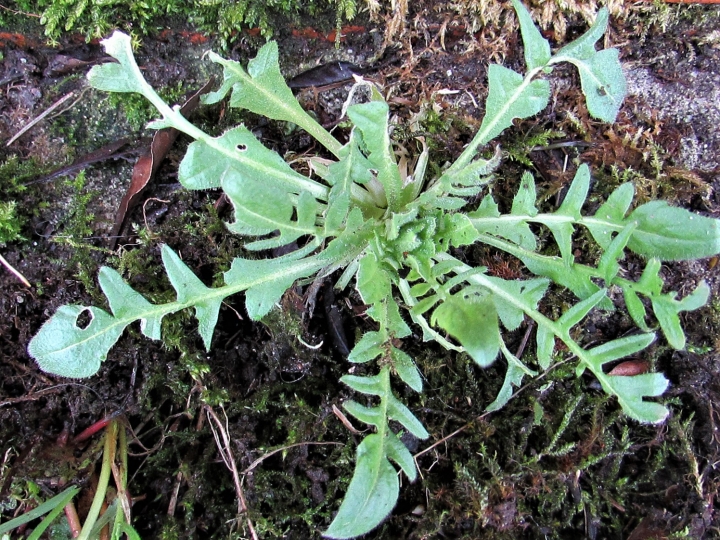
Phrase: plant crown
(391, 233)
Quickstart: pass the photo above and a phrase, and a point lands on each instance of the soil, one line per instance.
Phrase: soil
(559, 461)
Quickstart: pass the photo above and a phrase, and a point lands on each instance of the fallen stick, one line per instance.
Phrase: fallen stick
(39, 118)
(14, 271)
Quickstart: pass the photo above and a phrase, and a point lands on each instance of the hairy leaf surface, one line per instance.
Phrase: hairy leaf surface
(124, 76)
(263, 90)
(473, 320)
(64, 348)
(371, 495)
(601, 76)
(511, 96)
(537, 48)
(368, 213)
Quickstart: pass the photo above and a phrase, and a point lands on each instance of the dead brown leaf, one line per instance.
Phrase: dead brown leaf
(630, 368)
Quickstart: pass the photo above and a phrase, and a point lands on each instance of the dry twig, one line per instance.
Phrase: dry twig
(39, 118)
(225, 450)
(13, 271)
(283, 448)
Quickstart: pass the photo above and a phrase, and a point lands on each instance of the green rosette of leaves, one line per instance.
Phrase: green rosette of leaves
(391, 234)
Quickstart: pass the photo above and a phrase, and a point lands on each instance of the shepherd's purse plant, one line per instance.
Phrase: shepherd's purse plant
(390, 234)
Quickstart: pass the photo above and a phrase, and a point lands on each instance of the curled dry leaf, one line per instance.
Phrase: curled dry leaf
(63, 64)
(630, 368)
(326, 74)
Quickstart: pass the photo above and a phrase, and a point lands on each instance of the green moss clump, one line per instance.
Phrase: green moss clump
(96, 18)
(13, 173)
(10, 223)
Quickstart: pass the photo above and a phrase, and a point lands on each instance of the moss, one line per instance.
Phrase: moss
(13, 174)
(221, 17)
(520, 148)
(170, 530)
(554, 462)
(537, 466)
(566, 460)
(10, 223)
(76, 232)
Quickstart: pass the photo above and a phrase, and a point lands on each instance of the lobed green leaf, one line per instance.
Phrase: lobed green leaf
(263, 90)
(673, 234)
(529, 292)
(487, 219)
(190, 290)
(126, 303)
(373, 490)
(631, 391)
(373, 280)
(62, 348)
(511, 96)
(271, 213)
(537, 48)
(371, 495)
(667, 308)
(369, 385)
(473, 321)
(373, 416)
(124, 76)
(367, 348)
(601, 76)
(584, 46)
(406, 369)
(371, 120)
(353, 167)
(603, 84)
(514, 375)
(400, 413)
(561, 223)
(235, 157)
(266, 280)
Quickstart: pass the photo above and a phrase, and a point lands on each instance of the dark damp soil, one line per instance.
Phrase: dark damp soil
(559, 461)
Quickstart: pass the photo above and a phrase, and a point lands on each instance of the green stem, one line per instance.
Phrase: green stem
(382, 426)
(158, 311)
(359, 195)
(179, 122)
(508, 220)
(278, 103)
(586, 271)
(101, 491)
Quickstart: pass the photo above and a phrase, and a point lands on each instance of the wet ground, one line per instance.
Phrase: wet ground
(558, 461)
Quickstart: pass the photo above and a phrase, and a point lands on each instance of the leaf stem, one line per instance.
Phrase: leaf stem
(101, 490)
(562, 333)
(173, 117)
(586, 271)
